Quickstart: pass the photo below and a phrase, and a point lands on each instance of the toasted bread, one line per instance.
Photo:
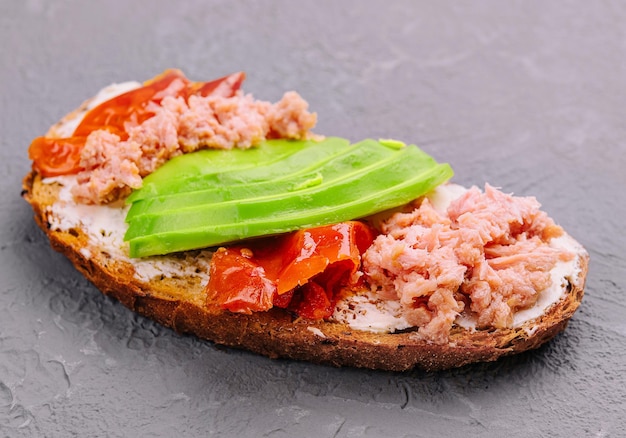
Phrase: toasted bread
(178, 301)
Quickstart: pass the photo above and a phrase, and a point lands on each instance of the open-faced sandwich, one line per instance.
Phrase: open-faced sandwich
(223, 216)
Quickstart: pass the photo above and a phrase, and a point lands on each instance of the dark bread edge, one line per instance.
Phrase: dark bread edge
(277, 335)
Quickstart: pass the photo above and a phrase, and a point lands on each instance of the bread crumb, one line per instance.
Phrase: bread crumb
(316, 332)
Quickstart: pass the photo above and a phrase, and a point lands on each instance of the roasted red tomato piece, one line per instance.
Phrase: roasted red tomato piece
(132, 105)
(307, 253)
(224, 87)
(306, 267)
(238, 283)
(312, 302)
(54, 157)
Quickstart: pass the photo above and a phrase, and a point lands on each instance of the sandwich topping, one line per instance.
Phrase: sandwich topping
(480, 256)
(488, 254)
(128, 137)
(303, 272)
(222, 197)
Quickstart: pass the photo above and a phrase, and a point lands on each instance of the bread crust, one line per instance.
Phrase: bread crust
(277, 334)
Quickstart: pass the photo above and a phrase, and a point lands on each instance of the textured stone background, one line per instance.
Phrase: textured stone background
(528, 96)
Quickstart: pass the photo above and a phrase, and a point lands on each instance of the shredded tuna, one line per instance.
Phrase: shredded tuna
(289, 118)
(113, 167)
(489, 254)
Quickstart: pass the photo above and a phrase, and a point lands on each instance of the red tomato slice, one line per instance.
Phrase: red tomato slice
(224, 87)
(56, 157)
(130, 106)
(312, 302)
(306, 267)
(309, 252)
(238, 283)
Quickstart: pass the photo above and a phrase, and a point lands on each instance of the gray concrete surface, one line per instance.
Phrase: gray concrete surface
(528, 96)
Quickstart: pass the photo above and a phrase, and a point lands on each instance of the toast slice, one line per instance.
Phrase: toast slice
(172, 291)
(178, 301)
